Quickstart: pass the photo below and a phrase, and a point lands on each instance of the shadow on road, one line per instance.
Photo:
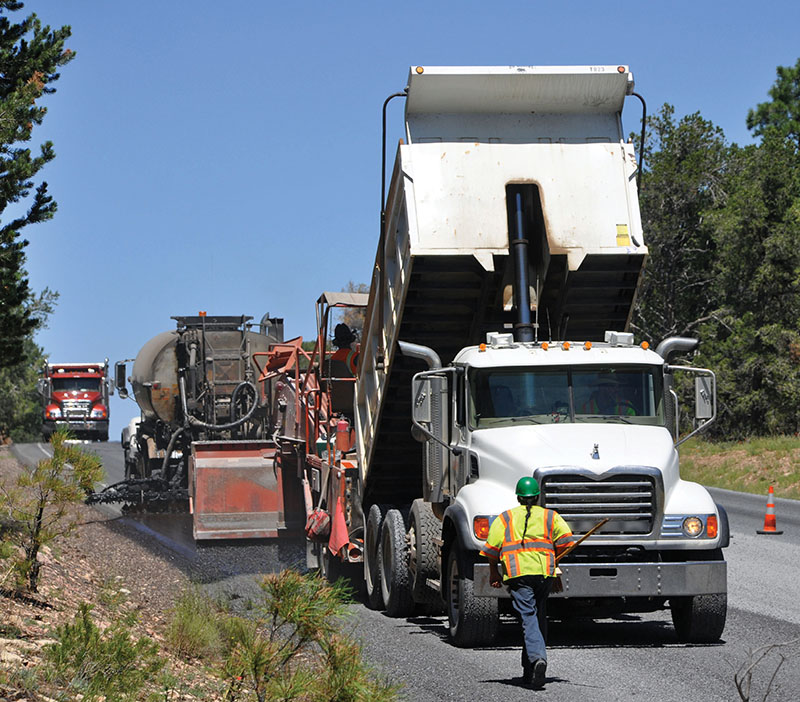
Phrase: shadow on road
(625, 631)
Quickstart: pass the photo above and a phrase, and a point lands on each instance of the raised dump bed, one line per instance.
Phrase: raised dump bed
(477, 140)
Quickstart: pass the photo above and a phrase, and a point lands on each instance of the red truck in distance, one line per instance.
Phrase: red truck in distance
(75, 397)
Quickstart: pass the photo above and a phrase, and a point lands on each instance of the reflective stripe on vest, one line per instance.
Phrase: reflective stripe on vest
(514, 550)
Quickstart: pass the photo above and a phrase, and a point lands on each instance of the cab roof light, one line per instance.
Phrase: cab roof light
(565, 346)
(645, 345)
(500, 340)
(587, 346)
(545, 346)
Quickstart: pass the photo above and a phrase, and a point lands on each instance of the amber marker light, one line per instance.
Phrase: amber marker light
(482, 347)
(545, 346)
(480, 525)
(201, 313)
(645, 345)
(620, 69)
(420, 70)
(711, 527)
(565, 346)
(587, 346)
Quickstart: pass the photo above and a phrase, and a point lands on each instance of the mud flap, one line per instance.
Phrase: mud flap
(239, 491)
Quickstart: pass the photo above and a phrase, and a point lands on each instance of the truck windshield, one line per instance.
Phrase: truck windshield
(512, 396)
(78, 384)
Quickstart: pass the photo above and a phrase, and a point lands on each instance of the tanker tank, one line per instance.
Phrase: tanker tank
(196, 383)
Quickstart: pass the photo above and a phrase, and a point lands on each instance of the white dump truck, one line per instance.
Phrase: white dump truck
(496, 346)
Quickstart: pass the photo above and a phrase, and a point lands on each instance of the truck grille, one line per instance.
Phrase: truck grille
(76, 409)
(628, 500)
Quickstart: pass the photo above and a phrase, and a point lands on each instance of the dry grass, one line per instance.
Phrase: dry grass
(750, 466)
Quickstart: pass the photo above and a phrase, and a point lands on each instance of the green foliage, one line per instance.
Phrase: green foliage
(685, 179)
(196, 628)
(39, 507)
(101, 664)
(30, 55)
(781, 114)
(722, 225)
(293, 650)
(754, 337)
(20, 403)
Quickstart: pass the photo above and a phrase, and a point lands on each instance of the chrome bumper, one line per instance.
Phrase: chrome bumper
(627, 580)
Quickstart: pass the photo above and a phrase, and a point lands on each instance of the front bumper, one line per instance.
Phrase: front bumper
(78, 426)
(627, 580)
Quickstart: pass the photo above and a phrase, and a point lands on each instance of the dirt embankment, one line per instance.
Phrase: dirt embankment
(114, 568)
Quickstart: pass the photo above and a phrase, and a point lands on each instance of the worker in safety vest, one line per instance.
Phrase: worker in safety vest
(526, 540)
(609, 398)
(343, 339)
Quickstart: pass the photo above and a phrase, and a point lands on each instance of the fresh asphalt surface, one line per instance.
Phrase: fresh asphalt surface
(628, 658)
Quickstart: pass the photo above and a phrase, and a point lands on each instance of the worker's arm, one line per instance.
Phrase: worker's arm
(492, 550)
(562, 535)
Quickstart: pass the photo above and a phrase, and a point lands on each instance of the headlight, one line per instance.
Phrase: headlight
(693, 526)
(98, 413)
(53, 413)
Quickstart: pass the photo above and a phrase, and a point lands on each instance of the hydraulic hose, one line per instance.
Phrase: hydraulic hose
(193, 421)
(179, 474)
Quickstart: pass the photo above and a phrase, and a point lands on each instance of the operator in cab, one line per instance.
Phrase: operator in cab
(526, 540)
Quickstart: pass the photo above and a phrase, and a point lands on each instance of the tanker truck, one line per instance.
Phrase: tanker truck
(497, 325)
(203, 439)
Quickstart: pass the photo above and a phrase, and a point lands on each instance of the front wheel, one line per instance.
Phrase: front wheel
(699, 618)
(472, 620)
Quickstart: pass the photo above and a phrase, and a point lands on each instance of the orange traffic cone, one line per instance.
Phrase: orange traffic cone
(769, 517)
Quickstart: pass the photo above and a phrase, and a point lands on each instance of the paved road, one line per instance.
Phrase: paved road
(628, 658)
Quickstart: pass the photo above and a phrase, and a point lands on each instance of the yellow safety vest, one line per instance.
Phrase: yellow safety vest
(531, 553)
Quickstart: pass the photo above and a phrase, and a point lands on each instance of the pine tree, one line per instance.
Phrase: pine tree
(30, 55)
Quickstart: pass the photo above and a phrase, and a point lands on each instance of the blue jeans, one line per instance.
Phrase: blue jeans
(529, 597)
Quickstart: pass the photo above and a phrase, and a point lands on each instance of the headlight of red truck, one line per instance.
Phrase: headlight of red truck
(99, 412)
(52, 412)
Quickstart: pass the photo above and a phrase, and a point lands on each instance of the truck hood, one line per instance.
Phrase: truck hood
(525, 448)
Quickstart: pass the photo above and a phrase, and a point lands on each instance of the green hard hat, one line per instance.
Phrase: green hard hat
(527, 487)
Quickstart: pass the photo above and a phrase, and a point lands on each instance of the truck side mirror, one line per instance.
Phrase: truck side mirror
(41, 386)
(120, 371)
(421, 393)
(703, 397)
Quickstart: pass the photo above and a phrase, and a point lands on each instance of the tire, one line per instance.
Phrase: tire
(396, 584)
(372, 545)
(699, 618)
(473, 621)
(423, 557)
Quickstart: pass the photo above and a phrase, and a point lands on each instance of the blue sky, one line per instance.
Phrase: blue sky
(226, 156)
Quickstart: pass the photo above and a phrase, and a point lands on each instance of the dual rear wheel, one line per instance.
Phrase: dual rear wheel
(400, 557)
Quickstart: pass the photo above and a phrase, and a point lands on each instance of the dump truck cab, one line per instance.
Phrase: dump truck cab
(594, 424)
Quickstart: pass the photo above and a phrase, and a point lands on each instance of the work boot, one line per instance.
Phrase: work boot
(539, 669)
(527, 672)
